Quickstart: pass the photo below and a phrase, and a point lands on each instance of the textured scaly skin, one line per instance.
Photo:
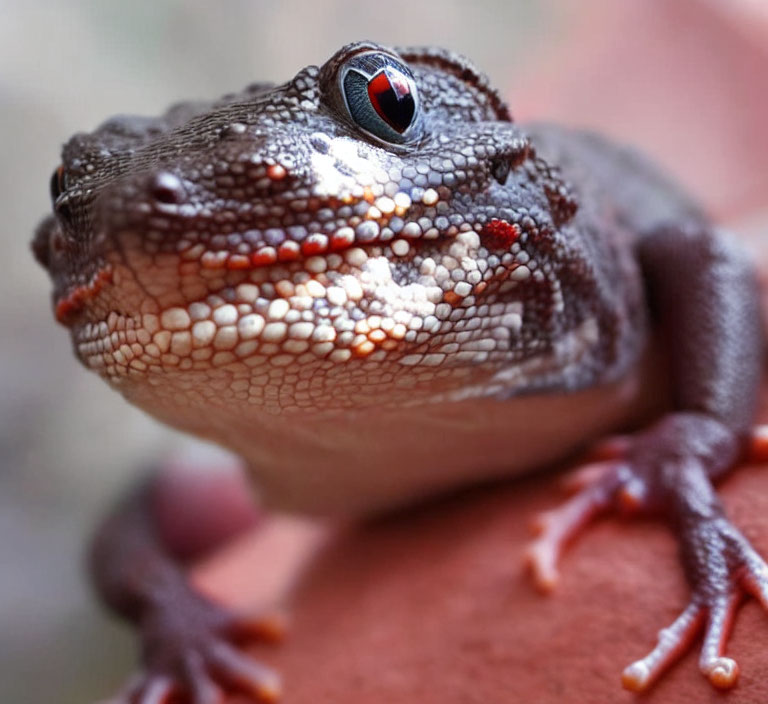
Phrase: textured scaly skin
(255, 268)
(367, 319)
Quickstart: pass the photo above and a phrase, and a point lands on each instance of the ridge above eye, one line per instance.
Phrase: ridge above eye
(381, 96)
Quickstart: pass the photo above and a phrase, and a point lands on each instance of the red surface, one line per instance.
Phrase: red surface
(433, 606)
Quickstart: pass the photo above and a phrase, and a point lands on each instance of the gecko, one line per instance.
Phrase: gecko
(374, 286)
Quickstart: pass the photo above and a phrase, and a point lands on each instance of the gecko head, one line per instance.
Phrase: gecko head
(377, 224)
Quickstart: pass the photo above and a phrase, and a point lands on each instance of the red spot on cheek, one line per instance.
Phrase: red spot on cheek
(499, 234)
(65, 308)
(339, 242)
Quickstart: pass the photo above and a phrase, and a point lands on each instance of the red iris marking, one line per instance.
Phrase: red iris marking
(391, 97)
(499, 234)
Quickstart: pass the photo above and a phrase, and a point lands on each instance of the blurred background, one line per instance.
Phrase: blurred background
(684, 80)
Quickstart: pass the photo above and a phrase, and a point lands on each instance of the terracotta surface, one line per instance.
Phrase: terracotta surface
(433, 606)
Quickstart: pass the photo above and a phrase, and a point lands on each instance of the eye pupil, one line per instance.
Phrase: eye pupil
(391, 97)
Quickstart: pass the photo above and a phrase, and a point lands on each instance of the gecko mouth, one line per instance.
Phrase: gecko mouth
(377, 229)
(168, 224)
(395, 297)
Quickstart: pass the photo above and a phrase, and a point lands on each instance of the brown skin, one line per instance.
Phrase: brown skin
(375, 288)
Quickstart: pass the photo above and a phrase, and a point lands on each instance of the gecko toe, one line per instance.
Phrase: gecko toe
(672, 642)
(739, 570)
(245, 674)
(156, 690)
(557, 527)
(201, 687)
(721, 671)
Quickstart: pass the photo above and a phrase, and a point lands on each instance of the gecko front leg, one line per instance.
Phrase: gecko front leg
(704, 294)
(720, 564)
(190, 644)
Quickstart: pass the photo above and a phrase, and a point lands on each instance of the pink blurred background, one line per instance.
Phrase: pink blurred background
(684, 80)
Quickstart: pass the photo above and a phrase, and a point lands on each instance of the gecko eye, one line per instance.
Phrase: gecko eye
(380, 94)
(58, 183)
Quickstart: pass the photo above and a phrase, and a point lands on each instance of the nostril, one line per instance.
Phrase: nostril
(166, 188)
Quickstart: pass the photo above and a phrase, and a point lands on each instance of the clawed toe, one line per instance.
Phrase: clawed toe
(673, 641)
(158, 690)
(202, 688)
(556, 528)
(204, 680)
(244, 674)
(145, 688)
(715, 614)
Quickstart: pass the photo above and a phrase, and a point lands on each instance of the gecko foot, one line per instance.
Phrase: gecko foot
(192, 655)
(733, 569)
(667, 470)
